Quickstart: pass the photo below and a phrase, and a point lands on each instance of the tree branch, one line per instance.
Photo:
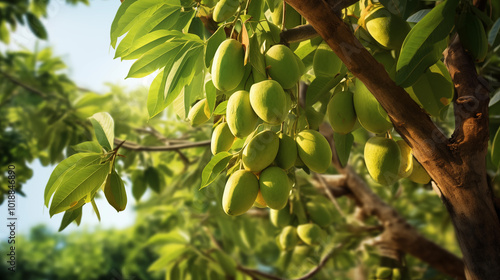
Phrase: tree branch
(298, 34)
(136, 147)
(23, 85)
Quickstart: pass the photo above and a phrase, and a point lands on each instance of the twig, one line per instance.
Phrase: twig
(136, 147)
(329, 194)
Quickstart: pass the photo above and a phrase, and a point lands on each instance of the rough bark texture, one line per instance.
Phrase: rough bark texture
(457, 165)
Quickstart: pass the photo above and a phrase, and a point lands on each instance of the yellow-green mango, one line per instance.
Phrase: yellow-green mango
(224, 9)
(274, 186)
(280, 218)
(302, 67)
(434, 90)
(222, 139)
(268, 101)
(325, 62)
(388, 29)
(314, 118)
(292, 17)
(283, 66)
(382, 158)
(396, 274)
(341, 113)
(287, 152)
(300, 253)
(240, 116)
(199, 113)
(227, 66)
(314, 150)
(288, 238)
(311, 234)
(371, 115)
(419, 174)
(472, 35)
(406, 167)
(383, 272)
(240, 192)
(319, 213)
(260, 151)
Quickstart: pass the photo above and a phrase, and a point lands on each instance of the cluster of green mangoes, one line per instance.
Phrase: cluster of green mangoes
(386, 273)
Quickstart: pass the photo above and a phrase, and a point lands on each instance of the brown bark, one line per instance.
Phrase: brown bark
(456, 165)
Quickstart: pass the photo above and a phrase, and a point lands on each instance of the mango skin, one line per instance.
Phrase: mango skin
(283, 66)
(325, 62)
(240, 116)
(222, 139)
(382, 158)
(224, 9)
(259, 201)
(260, 151)
(274, 186)
(227, 67)
(311, 234)
(280, 218)
(419, 174)
(406, 167)
(288, 238)
(287, 152)
(388, 29)
(314, 150)
(199, 113)
(341, 113)
(371, 115)
(240, 192)
(268, 100)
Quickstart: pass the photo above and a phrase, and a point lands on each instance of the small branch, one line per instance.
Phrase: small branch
(254, 273)
(136, 147)
(298, 34)
(23, 85)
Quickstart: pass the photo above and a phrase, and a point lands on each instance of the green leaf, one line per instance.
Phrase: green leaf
(170, 252)
(213, 44)
(194, 90)
(70, 216)
(216, 165)
(272, 4)
(492, 36)
(343, 145)
(153, 179)
(421, 47)
(88, 147)
(104, 128)
(418, 16)
(36, 26)
(176, 237)
(211, 92)
(495, 149)
(78, 185)
(114, 190)
(92, 99)
(139, 184)
(403, 8)
(77, 160)
(96, 210)
(221, 108)
(321, 86)
(257, 59)
(495, 98)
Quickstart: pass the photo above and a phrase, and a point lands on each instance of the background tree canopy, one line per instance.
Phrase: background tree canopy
(400, 99)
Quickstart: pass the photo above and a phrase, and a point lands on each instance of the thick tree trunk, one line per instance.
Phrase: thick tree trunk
(457, 165)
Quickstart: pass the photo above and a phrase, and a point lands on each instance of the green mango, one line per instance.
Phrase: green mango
(228, 67)
(222, 139)
(320, 212)
(419, 174)
(314, 150)
(406, 167)
(283, 66)
(325, 62)
(302, 67)
(199, 113)
(383, 273)
(396, 274)
(371, 115)
(288, 238)
(224, 9)
(268, 101)
(259, 201)
(240, 192)
(341, 113)
(388, 29)
(260, 151)
(240, 116)
(311, 234)
(292, 17)
(287, 152)
(383, 159)
(280, 218)
(274, 186)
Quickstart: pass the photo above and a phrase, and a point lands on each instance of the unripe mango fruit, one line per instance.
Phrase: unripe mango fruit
(260, 151)
(371, 115)
(222, 139)
(314, 150)
(240, 116)
(227, 67)
(311, 234)
(419, 174)
(292, 17)
(406, 167)
(288, 238)
(240, 192)
(283, 66)
(268, 101)
(274, 186)
(388, 29)
(341, 113)
(383, 272)
(199, 113)
(280, 218)
(320, 212)
(287, 152)
(325, 62)
(259, 201)
(396, 274)
(382, 158)
(224, 9)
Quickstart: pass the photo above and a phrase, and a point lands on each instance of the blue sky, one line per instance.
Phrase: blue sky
(80, 35)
